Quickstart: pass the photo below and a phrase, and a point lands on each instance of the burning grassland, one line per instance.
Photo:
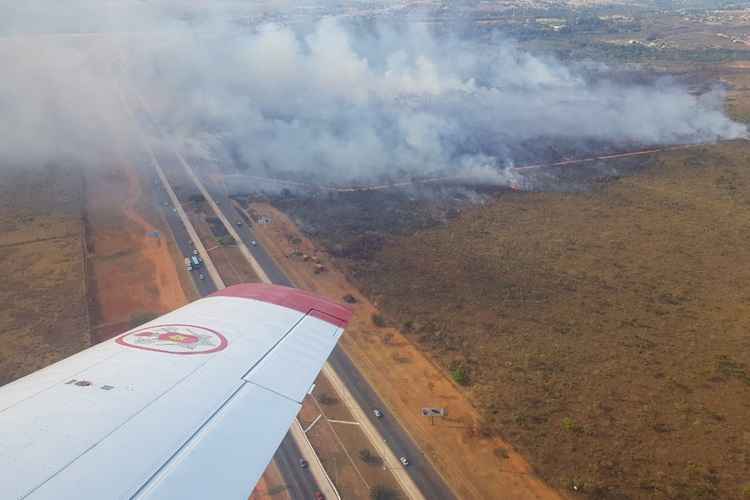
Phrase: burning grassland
(602, 332)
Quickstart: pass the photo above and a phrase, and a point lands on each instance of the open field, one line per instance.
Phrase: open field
(604, 333)
(476, 466)
(43, 295)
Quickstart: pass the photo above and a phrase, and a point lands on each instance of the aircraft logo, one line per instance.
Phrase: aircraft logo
(175, 339)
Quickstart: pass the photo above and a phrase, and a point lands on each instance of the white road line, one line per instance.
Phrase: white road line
(377, 441)
(316, 466)
(212, 271)
(230, 228)
(343, 422)
(298, 436)
(407, 484)
(313, 423)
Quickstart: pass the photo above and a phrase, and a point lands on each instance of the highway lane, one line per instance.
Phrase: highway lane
(185, 244)
(299, 482)
(424, 475)
(421, 471)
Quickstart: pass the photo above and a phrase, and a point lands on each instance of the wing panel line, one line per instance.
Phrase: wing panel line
(59, 381)
(115, 429)
(274, 346)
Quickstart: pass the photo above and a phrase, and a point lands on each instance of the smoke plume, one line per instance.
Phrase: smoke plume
(326, 100)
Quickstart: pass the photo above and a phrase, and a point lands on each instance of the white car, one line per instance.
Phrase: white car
(403, 461)
(254, 243)
(202, 277)
(377, 413)
(195, 252)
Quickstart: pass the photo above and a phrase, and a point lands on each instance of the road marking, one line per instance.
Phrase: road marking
(377, 441)
(228, 225)
(212, 271)
(343, 447)
(313, 423)
(405, 481)
(298, 436)
(342, 422)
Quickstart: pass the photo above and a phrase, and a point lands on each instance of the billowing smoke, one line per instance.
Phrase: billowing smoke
(327, 100)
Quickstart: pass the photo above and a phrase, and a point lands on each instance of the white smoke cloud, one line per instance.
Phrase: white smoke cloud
(327, 101)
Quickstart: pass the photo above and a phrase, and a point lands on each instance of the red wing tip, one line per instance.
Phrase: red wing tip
(293, 298)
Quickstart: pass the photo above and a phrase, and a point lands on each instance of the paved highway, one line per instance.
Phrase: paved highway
(299, 482)
(430, 483)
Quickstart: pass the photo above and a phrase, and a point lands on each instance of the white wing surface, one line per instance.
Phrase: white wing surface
(191, 405)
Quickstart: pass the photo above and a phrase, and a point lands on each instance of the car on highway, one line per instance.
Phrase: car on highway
(377, 412)
(254, 243)
(303, 463)
(239, 222)
(195, 252)
(404, 461)
(319, 496)
(201, 276)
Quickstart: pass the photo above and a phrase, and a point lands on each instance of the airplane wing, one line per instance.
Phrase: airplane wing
(190, 405)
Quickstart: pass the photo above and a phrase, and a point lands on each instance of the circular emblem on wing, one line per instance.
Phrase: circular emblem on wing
(175, 339)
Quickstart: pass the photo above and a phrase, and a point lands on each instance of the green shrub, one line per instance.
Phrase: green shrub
(459, 376)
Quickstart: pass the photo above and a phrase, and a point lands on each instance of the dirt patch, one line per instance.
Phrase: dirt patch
(133, 269)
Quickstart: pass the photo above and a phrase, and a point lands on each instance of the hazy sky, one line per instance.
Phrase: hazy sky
(323, 99)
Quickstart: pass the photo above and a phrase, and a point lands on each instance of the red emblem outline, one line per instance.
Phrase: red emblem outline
(223, 342)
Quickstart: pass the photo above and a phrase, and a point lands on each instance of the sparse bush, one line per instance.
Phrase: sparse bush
(378, 320)
(380, 492)
(400, 358)
(369, 458)
(387, 338)
(568, 424)
(459, 376)
(325, 399)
